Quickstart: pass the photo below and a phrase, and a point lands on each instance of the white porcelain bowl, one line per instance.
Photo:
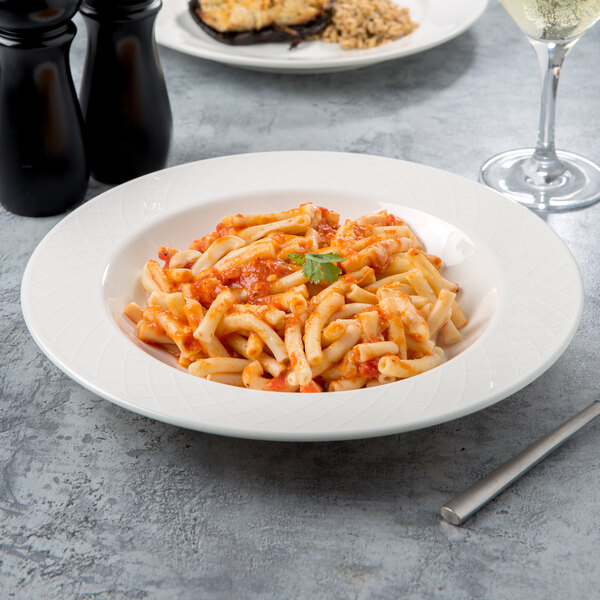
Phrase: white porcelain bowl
(520, 289)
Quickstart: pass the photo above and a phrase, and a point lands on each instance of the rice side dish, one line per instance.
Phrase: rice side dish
(362, 24)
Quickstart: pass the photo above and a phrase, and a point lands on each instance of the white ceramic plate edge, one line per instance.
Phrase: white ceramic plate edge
(353, 60)
(300, 435)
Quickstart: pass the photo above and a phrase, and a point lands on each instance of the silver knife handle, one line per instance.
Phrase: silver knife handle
(461, 507)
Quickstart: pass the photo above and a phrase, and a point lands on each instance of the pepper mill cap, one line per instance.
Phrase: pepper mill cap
(117, 4)
(116, 7)
(18, 17)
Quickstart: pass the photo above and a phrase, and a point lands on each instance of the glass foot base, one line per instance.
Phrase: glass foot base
(575, 185)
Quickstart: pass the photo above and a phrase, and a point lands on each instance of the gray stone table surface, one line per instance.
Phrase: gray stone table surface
(98, 502)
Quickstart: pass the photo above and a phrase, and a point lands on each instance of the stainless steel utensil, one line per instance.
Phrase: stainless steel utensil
(461, 507)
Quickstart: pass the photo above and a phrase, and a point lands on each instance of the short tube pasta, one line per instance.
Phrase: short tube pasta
(298, 301)
(206, 366)
(301, 373)
(396, 367)
(316, 322)
(206, 329)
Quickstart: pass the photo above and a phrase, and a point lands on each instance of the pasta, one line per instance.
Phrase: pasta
(298, 302)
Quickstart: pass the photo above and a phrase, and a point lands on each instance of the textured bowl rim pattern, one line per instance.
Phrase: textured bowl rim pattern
(65, 309)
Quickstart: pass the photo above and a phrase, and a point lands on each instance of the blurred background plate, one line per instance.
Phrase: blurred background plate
(439, 21)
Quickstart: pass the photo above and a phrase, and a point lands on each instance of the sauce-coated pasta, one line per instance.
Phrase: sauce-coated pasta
(296, 301)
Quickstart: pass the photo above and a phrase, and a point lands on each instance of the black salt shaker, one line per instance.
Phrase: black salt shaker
(43, 168)
(123, 93)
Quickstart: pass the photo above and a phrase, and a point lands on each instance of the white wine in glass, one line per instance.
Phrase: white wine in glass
(542, 177)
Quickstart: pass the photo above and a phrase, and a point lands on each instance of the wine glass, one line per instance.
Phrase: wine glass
(543, 178)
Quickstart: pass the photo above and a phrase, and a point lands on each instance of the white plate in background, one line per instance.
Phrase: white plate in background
(520, 288)
(439, 21)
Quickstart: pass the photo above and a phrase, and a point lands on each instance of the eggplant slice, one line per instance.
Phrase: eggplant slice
(293, 34)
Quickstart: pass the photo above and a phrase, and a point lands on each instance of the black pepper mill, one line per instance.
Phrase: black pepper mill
(123, 93)
(43, 167)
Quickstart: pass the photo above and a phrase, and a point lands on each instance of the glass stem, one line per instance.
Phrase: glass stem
(545, 165)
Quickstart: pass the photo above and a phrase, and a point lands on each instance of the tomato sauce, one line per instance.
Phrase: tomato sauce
(362, 231)
(257, 276)
(328, 225)
(191, 344)
(202, 244)
(383, 316)
(326, 232)
(166, 253)
(278, 384)
(156, 328)
(369, 369)
(254, 277)
(311, 388)
(282, 238)
(329, 216)
(206, 290)
(391, 220)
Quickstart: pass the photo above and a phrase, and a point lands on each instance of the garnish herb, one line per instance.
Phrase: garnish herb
(319, 266)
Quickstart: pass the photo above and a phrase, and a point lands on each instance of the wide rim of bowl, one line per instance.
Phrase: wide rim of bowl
(535, 323)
